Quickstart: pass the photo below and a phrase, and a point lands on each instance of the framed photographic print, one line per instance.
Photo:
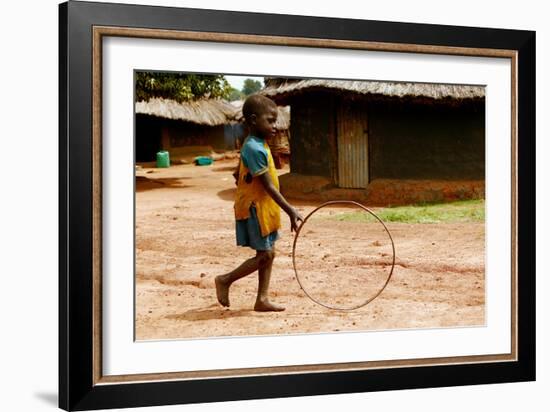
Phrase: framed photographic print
(391, 164)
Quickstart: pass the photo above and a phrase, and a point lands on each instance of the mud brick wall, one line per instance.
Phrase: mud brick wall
(153, 134)
(381, 192)
(147, 137)
(178, 134)
(312, 131)
(427, 141)
(388, 192)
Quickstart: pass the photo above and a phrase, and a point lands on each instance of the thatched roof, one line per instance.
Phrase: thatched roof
(281, 88)
(211, 112)
(283, 115)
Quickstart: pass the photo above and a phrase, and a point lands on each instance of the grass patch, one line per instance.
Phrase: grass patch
(462, 211)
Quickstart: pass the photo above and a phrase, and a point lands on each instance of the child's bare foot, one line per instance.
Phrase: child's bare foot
(222, 291)
(266, 306)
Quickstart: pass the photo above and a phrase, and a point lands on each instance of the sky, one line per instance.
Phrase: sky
(238, 81)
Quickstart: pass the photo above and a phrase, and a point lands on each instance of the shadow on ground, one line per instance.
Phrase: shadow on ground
(144, 183)
(209, 313)
(224, 168)
(227, 194)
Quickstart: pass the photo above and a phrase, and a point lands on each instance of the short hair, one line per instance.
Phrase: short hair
(256, 104)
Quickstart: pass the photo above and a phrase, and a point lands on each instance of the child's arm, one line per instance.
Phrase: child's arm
(281, 201)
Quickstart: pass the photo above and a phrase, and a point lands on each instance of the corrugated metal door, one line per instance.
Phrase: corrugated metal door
(353, 146)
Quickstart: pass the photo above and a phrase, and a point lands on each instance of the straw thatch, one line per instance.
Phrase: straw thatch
(283, 115)
(210, 112)
(282, 88)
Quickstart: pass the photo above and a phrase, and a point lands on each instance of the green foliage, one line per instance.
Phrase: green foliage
(235, 94)
(251, 86)
(180, 87)
(453, 212)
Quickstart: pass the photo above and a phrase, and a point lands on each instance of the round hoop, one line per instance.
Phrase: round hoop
(348, 202)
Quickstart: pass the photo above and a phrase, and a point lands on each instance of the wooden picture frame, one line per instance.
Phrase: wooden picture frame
(82, 385)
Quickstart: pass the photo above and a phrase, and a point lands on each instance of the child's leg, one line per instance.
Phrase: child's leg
(264, 276)
(223, 282)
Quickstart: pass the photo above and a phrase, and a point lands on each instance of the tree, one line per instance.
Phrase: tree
(180, 87)
(235, 94)
(251, 86)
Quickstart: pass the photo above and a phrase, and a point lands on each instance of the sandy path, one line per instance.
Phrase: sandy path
(185, 237)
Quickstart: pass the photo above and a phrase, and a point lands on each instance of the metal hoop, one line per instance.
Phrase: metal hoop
(332, 202)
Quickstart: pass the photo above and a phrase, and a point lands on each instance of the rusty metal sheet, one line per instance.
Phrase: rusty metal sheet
(353, 159)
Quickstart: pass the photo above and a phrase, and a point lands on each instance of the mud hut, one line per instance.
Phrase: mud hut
(184, 129)
(383, 142)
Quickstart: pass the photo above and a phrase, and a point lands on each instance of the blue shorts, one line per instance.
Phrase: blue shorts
(249, 233)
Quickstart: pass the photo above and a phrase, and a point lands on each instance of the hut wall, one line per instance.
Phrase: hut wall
(234, 135)
(180, 134)
(147, 137)
(427, 141)
(312, 127)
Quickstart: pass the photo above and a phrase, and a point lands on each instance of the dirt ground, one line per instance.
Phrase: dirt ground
(185, 237)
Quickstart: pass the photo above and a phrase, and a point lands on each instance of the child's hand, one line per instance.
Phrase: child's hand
(294, 218)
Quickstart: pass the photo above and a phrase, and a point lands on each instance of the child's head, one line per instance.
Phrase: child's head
(260, 114)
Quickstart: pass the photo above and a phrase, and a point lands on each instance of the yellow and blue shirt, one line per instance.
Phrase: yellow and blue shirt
(258, 216)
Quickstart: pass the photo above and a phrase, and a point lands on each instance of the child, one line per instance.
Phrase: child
(257, 203)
